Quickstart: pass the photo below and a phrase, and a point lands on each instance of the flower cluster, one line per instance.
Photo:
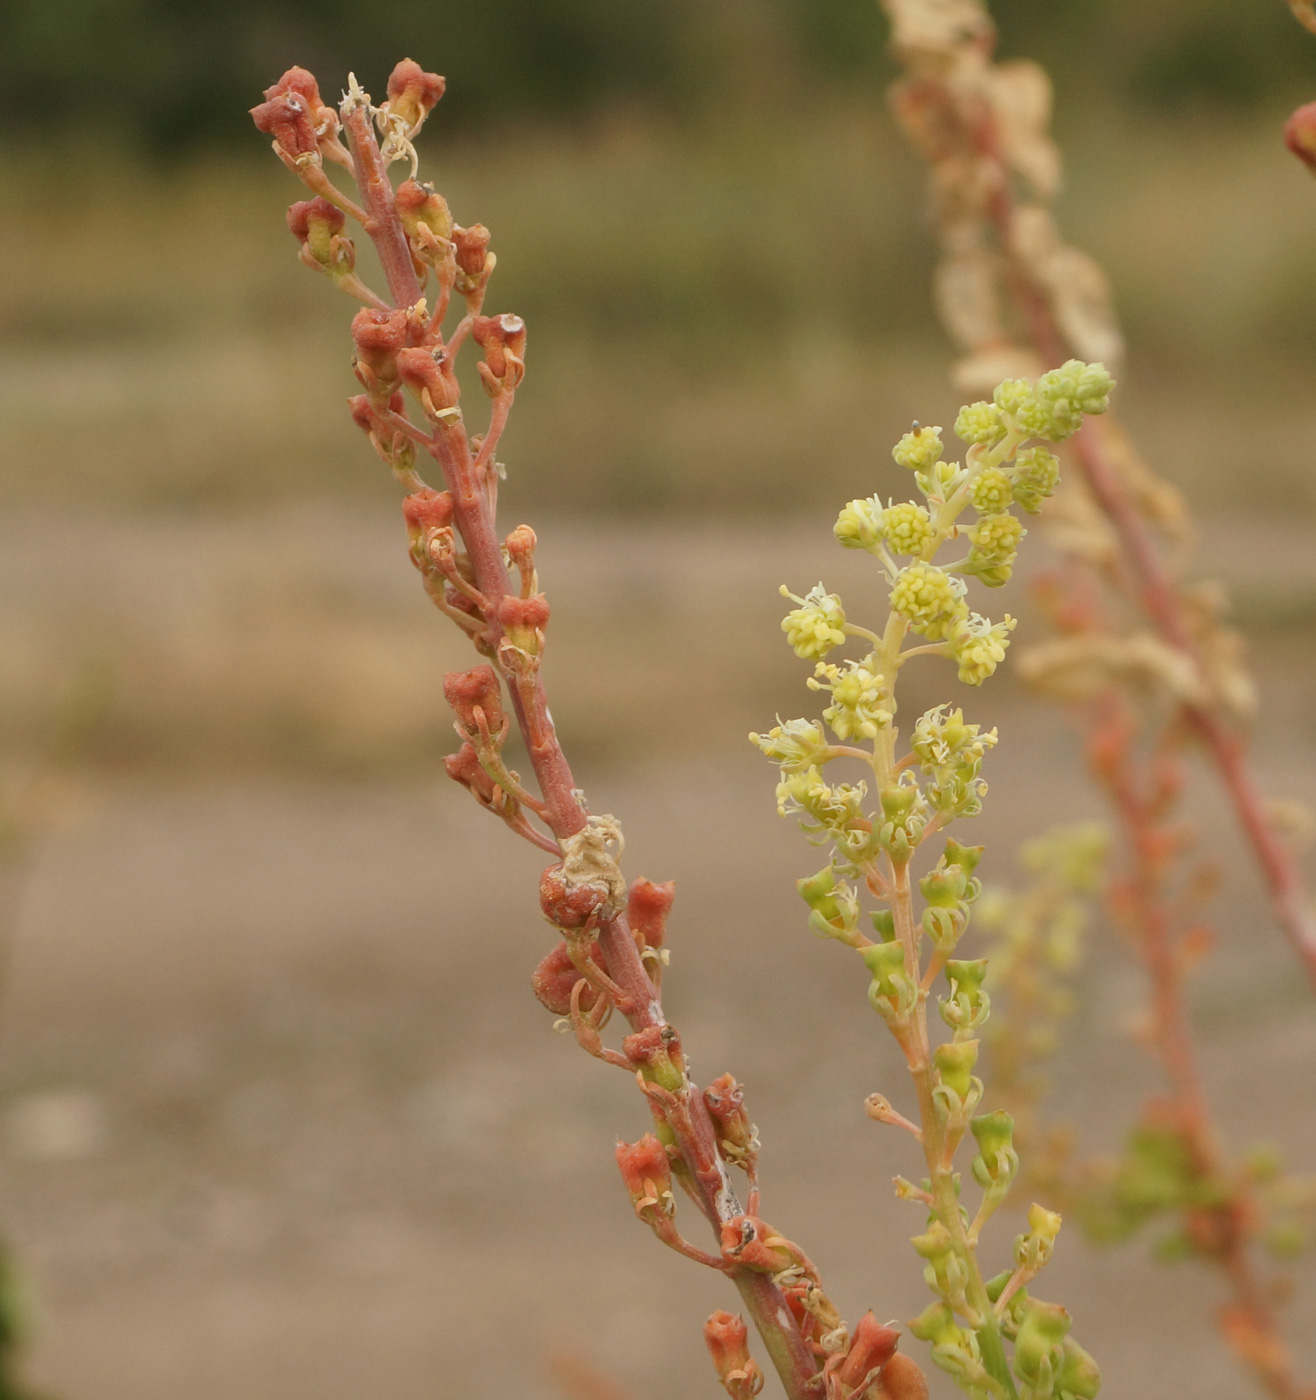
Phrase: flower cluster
(992, 1337)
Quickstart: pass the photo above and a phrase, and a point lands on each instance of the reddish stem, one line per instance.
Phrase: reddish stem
(382, 223)
(564, 812)
(1148, 913)
(1154, 588)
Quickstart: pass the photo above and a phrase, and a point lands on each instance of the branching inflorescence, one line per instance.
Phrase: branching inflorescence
(1141, 652)
(610, 952)
(920, 792)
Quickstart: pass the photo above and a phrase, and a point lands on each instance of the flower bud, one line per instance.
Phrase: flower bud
(429, 376)
(520, 546)
(1300, 135)
(647, 1172)
(555, 979)
(422, 207)
(413, 93)
(524, 620)
(956, 1060)
(428, 508)
(472, 249)
(871, 1347)
(378, 337)
(647, 907)
(478, 688)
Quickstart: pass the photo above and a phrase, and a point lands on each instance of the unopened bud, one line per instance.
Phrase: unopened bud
(413, 93)
(997, 1161)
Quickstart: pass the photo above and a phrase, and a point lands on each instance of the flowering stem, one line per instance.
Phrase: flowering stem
(937, 1149)
(562, 808)
(382, 223)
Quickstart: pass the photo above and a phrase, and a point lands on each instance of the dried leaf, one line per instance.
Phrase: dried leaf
(1020, 97)
(937, 27)
(966, 296)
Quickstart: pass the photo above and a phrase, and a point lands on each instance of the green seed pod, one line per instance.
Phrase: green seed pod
(1080, 1375)
(966, 857)
(884, 922)
(997, 1161)
(1038, 1347)
(817, 892)
(943, 888)
(956, 1061)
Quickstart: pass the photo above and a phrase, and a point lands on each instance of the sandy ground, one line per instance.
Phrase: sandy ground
(281, 1118)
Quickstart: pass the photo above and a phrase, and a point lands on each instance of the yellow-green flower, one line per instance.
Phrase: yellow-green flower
(816, 626)
(796, 744)
(979, 644)
(1036, 475)
(859, 524)
(980, 423)
(929, 598)
(906, 527)
(919, 449)
(991, 492)
(995, 546)
(857, 710)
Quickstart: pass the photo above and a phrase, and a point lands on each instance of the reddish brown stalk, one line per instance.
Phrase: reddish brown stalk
(684, 1111)
(383, 225)
(1153, 587)
(1224, 1232)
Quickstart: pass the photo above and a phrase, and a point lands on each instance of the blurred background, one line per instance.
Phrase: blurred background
(279, 1117)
